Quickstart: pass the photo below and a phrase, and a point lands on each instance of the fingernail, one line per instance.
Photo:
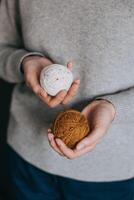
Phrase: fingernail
(79, 147)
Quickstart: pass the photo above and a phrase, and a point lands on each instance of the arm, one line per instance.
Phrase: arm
(123, 102)
(12, 51)
(15, 59)
(100, 114)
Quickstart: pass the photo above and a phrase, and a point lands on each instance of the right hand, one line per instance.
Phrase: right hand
(100, 115)
(32, 66)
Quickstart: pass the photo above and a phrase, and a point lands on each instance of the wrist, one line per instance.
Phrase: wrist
(32, 59)
(110, 105)
(28, 59)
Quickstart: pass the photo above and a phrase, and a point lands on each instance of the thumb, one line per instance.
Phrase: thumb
(70, 65)
(91, 139)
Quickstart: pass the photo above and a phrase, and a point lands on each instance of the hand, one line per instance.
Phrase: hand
(32, 66)
(100, 115)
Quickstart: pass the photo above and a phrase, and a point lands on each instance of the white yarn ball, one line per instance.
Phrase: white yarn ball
(55, 78)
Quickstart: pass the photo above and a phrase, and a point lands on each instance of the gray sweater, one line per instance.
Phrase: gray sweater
(99, 37)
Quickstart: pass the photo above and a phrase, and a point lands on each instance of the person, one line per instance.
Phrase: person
(95, 40)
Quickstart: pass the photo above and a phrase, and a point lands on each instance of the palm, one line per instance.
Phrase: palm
(98, 116)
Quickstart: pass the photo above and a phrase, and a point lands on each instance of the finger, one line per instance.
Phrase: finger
(83, 151)
(94, 137)
(72, 91)
(70, 65)
(33, 83)
(88, 108)
(86, 111)
(71, 154)
(64, 149)
(45, 99)
(49, 130)
(41, 93)
(57, 99)
(35, 86)
(53, 144)
(55, 147)
(50, 136)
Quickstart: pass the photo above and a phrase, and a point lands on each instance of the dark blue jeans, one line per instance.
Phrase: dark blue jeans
(30, 183)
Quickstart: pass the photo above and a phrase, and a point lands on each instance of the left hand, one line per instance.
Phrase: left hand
(100, 115)
(32, 67)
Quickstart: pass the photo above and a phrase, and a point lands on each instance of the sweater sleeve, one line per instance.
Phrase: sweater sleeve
(12, 50)
(123, 102)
